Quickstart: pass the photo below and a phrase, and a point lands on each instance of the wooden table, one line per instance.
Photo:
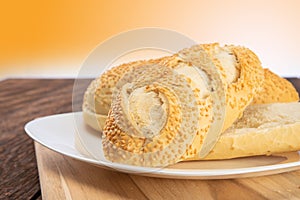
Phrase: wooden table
(61, 177)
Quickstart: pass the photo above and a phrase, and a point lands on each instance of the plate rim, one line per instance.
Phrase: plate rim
(161, 172)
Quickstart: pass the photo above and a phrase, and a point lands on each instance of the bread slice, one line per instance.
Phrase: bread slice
(242, 75)
(156, 115)
(263, 130)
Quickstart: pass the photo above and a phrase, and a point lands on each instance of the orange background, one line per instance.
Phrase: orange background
(53, 37)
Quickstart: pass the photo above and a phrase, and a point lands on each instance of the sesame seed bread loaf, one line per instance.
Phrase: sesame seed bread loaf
(159, 112)
(155, 129)
(239, 67)
(263, 130)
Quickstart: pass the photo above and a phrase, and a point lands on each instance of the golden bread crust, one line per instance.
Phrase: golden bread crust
(239, 94)
(275, 89)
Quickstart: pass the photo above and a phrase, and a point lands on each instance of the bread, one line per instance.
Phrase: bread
(239, 67)
(198, 79)
(97, 97)
(263, 130)
(243, 77)
(174, 108)
(108, 81)
(275, 89)
(93, 119)
(155, 114)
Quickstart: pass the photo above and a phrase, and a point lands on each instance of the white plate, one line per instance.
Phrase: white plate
(68, 135)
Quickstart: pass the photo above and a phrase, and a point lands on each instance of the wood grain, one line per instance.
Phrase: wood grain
(22, 100)
(65, 178)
